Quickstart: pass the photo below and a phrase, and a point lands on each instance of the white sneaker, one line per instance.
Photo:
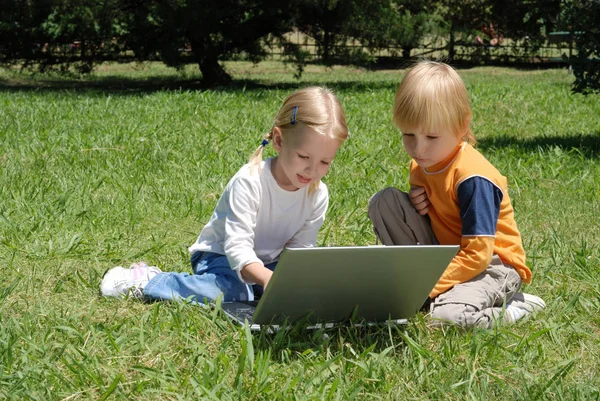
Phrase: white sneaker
(513, 313)
(521, 305)
(119, 282)
(530, 303)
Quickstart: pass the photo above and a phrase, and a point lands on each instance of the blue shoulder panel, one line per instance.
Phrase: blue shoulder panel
(479, 200)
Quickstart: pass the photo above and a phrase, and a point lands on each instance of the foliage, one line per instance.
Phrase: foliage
(368, 25)
(495, 20)
(461, 18)
(582, 19)
(326, 22)
(178, 32)
(402, 24)
(65, 35)
(45, 33)
(210, 30)
(413, 25)
(519, 19)
(49, 33)
(343, 29)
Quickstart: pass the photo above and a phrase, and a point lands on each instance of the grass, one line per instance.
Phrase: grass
(127, 165)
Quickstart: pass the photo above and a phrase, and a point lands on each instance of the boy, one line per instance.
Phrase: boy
(466, 200)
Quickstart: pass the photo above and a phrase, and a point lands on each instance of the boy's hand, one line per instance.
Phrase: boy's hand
(257, 273)
(418, 197)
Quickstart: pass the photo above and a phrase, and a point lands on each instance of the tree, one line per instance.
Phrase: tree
(329, 23)
(530, 18)
(378, 24)
(516, 19)
(416, 20)
(49, 33)
(210, 30)
(371, 24)
(461, 16)
(582, 19)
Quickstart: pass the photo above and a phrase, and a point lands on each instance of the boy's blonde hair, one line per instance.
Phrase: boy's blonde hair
(316, 107)
(432, 96)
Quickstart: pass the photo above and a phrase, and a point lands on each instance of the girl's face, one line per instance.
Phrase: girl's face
(304, 157)
(429, 148)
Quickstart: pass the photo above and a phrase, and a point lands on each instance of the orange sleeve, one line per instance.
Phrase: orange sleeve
(474, 257)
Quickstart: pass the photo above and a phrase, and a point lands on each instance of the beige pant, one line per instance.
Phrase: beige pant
(476, 303)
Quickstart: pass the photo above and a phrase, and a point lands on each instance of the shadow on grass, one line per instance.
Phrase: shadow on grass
(136, 86)
(586, 144)
(293, 342)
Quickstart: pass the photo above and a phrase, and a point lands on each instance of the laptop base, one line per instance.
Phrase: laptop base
(241, 313)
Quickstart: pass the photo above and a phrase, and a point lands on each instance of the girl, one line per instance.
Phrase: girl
(268, 205)
(466, 200)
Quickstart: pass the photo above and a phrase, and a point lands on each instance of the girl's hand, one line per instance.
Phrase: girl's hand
(257, 273)
(418, 197)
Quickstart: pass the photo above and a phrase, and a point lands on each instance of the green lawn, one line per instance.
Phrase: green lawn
(127, 165)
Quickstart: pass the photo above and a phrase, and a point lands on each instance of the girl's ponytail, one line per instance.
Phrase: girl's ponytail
(257, 156)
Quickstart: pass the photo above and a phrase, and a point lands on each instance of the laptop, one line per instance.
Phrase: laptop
(324, 286)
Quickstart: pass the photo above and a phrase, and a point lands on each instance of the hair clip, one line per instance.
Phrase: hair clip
(293, 118)
(264, 143)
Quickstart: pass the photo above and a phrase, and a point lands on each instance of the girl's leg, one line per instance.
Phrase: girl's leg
(119, 282)
(396, 221)
(212, 277)
(479, 302)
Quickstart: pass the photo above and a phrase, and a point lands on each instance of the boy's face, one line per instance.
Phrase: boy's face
(429, 148)
(304, 157)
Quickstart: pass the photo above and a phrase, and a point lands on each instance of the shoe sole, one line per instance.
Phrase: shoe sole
(103, 275)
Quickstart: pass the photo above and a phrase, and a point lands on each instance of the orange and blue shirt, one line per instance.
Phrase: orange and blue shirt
(470, 207)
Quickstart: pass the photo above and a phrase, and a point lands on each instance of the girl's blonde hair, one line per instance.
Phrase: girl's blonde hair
(316, 107)
(432, 96)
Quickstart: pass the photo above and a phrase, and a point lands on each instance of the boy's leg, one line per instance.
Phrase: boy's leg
(212, 276)
(522, 304)
(478, 302)
(396, 221)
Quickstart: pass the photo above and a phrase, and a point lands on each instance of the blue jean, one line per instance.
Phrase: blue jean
(212, 277)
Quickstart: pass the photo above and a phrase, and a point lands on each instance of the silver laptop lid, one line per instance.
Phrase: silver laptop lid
(329, 284)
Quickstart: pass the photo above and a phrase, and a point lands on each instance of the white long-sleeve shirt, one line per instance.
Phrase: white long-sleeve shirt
(255, 219)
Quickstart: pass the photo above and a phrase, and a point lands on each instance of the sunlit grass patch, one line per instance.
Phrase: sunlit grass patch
(128, 164)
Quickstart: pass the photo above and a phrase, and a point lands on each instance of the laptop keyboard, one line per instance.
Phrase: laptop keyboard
(244, 314)
(240, 311)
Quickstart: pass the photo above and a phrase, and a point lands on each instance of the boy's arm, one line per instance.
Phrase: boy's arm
(479, 201)
(474, 257)
(418, 198)
(417, 194)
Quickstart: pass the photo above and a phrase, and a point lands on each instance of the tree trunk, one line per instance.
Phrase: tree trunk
(212, 72)
(451, 43)
(406, 52)
(207, 56)
(326, 47)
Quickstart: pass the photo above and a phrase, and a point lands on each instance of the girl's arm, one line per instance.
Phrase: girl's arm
(306, 237)
(240, 222)
(257, 273)
(479, 201)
